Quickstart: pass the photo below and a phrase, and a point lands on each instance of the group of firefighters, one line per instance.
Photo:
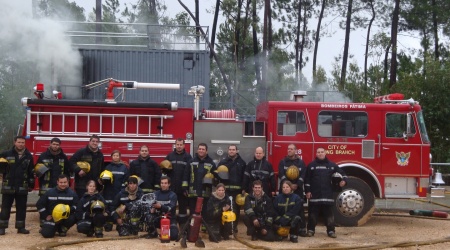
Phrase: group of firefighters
(140, 196)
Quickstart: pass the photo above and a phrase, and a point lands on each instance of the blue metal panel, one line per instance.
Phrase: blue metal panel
(188, 68)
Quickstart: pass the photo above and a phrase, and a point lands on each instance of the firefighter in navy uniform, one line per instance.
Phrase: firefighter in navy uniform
(122, 205)
(17, 169)
(146, 169)
(260, 169)
(114, 179)
(198, 178)
(293, 168)
(179, 160)
(287, 205)
(259, 214)
(236, 168)
(51, 164)
(91, 212)
(319, 190)
(217, 205)
(57, 209)
(166, 204)
(92, 155)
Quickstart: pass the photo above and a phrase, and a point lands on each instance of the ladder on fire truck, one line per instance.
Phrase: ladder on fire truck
(57, 123)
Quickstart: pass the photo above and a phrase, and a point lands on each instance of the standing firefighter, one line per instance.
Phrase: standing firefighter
(260, 169)
(147, 169)
(178, 160)
(87, 164)
(51, 164)
(319, 190)
(16, 165)
(293, 169)
(198, 178)
(235, 174)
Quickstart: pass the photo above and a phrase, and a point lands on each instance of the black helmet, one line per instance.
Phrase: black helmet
(336, 178)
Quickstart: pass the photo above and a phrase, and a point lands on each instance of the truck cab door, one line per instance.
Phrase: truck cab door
(400, 154)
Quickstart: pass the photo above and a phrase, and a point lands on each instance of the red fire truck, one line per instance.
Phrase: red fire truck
(383, 146)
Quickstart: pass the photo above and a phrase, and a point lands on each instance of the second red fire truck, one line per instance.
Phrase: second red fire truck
(383, 146)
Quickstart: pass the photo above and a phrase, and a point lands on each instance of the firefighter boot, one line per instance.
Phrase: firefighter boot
(123, 230)
(293, 238)
(98, 232)
(23, 231)
(108, 226)
(20, 225)
(2, 231)
(63, 231)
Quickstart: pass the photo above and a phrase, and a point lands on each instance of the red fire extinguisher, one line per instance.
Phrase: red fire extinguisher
(196, 221)
(165, 229)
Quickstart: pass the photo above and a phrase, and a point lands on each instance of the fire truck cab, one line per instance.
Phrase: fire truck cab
(383, 146)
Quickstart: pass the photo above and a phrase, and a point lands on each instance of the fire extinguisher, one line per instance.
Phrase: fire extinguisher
(165, 229)
(196, 221)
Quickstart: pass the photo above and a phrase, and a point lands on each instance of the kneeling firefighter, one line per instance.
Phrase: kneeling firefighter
(91, 212)
(57, 209)
(219, 214)
(163, 209)
(122, 208)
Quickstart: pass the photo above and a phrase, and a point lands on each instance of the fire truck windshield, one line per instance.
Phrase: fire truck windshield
(422, 128)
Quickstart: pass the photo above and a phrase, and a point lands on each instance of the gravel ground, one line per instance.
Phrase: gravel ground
(379, 230)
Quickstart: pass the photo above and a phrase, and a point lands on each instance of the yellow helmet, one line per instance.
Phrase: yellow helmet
(292, 173)
(85, 166)
(228, 216)
(165, 165)
(208, 178)
(97, 207)
(60, 212)
(283, 231)
(222, 172)
(40, 169)
(140, 181)
(240, 199)
(107, 176)
(3, 165)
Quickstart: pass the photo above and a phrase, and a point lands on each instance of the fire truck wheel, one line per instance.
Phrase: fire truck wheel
(354, 204)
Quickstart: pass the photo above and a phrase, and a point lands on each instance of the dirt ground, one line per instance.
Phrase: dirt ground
(379, 232)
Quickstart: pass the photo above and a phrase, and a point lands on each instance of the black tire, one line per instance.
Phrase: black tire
(354, 205)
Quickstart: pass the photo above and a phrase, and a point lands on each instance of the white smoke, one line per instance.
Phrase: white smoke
(42, 42)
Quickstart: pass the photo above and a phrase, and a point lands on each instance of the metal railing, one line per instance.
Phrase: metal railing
(135, 36)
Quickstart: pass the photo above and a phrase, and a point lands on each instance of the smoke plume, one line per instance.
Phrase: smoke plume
(41, 42)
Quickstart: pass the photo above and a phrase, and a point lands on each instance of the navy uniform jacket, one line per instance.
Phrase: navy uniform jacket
(57, 164)
(236, 169)
(53, 197)
(318, 180)
(284, 165)
(149, 171)
(193, 176)
(18, 176)
(179, 164)
(95, 159)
